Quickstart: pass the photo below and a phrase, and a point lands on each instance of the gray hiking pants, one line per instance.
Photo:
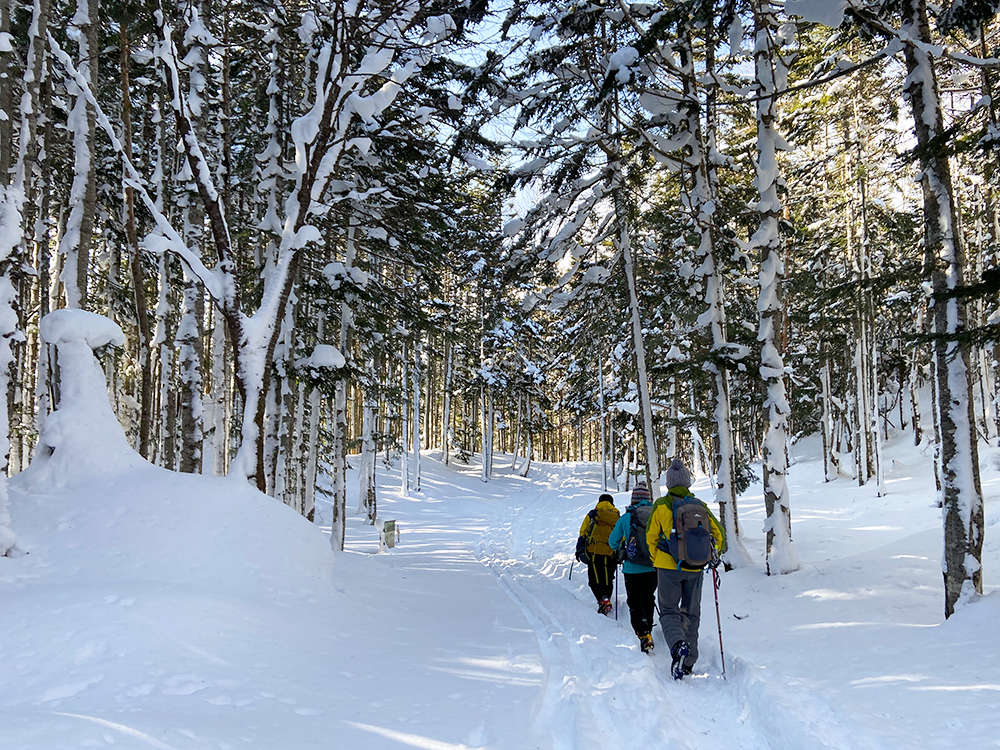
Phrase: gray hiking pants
(678, 594)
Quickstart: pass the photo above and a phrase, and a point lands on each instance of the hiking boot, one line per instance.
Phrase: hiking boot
(646, 643)
(688, 669)
(604, 606)
(678, 653)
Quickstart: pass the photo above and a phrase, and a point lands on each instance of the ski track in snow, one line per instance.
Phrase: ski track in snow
(600, 690)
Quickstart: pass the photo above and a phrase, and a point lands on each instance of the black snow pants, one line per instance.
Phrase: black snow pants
(601, 575)
(641, 591)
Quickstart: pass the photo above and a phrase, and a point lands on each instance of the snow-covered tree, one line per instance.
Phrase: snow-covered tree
(771, 77)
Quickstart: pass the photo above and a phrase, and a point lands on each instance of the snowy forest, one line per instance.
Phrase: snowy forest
(336, 234)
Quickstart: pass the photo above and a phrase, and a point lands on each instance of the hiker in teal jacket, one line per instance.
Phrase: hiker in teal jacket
(640, 580)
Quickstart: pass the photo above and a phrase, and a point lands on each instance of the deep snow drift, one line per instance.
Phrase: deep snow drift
(160, 610)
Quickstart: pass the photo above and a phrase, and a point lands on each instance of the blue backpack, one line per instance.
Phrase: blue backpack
(636, 549)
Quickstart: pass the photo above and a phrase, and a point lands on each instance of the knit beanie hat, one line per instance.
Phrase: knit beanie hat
(607, 497)
(640, 492)
(677, 475)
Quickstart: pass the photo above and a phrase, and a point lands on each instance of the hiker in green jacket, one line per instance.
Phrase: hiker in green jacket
(679, 579)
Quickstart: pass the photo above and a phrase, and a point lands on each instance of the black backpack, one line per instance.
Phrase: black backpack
(583, 541)
(635, 549)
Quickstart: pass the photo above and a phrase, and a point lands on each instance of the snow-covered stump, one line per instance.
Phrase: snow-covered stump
(329, 358)
(82, 436)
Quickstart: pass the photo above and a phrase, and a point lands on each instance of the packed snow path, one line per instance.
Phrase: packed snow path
(600, 690)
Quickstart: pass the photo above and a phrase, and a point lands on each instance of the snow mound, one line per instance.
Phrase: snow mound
(82, 437)
(153, 524)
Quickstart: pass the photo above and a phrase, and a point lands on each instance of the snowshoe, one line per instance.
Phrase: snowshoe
(646, 643)
(678, 654)
(604, 606)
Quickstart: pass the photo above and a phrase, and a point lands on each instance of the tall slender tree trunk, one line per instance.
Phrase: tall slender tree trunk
(219, 396)
(404, 438)
(7, 123)
(189, 368)
(781, 556)
(166, 328)
(417, 368)
(646, 407)
(914, 380)
(135, 263)
(75, 245)
(703, 188)
(528, 449)
(603, 420)
(961, 493)
(11, 202)
(367, 500)
(446, 401)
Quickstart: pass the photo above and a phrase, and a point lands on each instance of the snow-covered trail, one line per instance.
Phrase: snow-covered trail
(153, 609)
(600, 690)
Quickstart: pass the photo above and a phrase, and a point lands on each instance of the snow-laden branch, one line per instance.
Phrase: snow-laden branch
(172, 241)
(831, 14)
(226, 294)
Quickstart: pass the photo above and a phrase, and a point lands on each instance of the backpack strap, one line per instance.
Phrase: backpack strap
(592, 527)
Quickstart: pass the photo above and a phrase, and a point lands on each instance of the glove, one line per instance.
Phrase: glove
(663, 544)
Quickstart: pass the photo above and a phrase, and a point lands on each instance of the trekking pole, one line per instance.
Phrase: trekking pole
(616, 593)
(718, 617)
(571, 568)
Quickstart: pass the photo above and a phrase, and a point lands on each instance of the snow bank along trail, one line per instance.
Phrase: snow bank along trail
(600, 690)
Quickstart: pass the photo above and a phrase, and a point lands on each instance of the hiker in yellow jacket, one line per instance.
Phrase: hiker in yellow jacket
(600, 558)
(678, 586)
